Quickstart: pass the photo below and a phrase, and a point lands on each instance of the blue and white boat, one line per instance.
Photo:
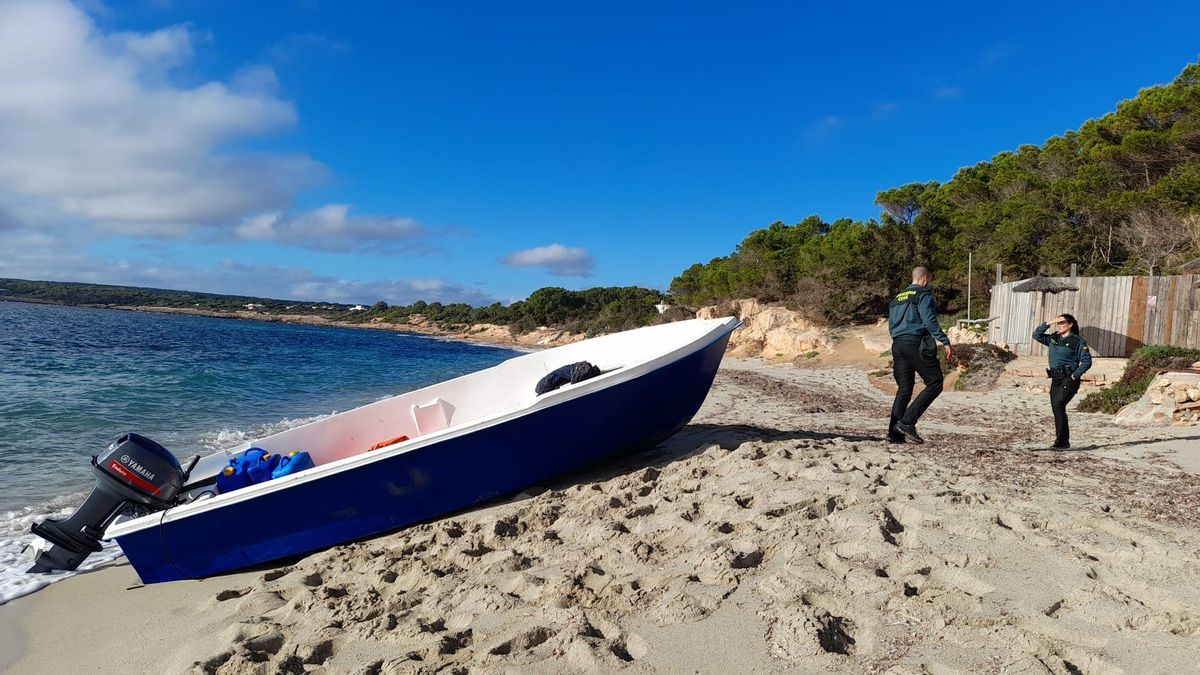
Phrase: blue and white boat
(469, 439)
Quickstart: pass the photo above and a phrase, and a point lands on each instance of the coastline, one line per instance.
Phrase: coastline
(490, 335)
(776, 533)
(484, 334)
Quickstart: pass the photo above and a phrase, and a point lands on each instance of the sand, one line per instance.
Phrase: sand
(776, 533)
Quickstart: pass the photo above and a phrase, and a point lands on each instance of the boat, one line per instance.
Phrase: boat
(452, 445)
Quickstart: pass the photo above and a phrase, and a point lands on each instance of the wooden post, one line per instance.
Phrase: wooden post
(999, 274)
(969, 266)
(1075, 283)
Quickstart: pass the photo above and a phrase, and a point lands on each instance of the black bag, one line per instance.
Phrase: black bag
(572, 374)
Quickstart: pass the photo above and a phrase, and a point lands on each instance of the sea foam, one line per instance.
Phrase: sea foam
(14, 525)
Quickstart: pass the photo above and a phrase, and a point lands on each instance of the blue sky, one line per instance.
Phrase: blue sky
(478, 151)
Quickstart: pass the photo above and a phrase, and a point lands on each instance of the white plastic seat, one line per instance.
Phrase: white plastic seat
(432, 416)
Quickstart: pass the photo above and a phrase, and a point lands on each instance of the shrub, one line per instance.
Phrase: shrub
(1139, 373)
(982, 365)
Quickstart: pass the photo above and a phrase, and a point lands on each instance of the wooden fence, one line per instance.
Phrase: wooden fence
(1116, 314)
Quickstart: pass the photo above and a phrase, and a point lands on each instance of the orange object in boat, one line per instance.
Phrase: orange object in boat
(390, 441)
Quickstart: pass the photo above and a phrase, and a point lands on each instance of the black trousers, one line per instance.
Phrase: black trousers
(912, 357)
(1062, 389)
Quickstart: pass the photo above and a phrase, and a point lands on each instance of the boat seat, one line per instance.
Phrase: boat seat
(432, 416)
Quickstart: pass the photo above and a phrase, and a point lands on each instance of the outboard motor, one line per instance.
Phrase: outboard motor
(134, 470)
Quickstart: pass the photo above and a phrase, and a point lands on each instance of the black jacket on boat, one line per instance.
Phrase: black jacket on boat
(576, 372)
(1067, 354)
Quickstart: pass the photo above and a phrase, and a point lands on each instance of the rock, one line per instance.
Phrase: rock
(771, 332)
(791, 343)
(964, 336)
(742, 309)
(1159, 405)
(769, 319)
(744, 347)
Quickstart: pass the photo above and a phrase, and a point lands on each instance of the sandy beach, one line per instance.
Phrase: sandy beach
(776, 533)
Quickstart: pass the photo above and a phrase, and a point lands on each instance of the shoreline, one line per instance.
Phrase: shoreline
(971, 550)
(12, 636)
(488, 335)
(491, 339)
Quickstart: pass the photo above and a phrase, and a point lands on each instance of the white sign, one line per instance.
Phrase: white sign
(1152, 301)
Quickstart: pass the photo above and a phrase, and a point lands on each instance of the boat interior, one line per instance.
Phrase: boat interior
(501, 390)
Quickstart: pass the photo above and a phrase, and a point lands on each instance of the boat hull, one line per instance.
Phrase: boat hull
(430, 481)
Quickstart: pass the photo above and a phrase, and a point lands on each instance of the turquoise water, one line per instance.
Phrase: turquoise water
(73, 379)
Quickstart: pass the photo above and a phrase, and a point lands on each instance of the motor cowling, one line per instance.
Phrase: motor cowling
(133, 470)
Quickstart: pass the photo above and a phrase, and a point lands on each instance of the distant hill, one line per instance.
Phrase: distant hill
(592, 311)
(71, 293)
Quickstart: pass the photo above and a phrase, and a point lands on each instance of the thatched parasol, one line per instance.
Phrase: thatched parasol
(1043, 285)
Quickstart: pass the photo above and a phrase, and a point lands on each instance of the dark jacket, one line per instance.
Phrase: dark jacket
(912, 314)
(1065, 352)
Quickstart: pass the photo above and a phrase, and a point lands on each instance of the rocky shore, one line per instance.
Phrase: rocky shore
(484, 333)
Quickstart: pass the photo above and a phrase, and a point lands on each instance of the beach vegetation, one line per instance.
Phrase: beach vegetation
(980, 366)
(72, 293)
(1143, 366)
(1119, 195)
(591, 311)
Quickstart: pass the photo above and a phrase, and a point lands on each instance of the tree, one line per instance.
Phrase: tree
(1153, 236)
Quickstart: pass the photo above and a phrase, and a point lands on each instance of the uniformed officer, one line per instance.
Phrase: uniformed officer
(912, 322)
(1070, 358)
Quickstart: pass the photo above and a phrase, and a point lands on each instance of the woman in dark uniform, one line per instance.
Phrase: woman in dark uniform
(1070, 358)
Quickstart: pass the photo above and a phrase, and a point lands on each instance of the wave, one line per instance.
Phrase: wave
(14, 525)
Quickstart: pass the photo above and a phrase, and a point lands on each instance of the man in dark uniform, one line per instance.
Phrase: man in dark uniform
(912, 322)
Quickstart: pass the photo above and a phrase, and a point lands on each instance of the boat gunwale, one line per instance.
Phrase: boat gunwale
(550, 399)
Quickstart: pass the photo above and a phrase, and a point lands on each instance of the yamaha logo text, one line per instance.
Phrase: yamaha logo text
(141, 470)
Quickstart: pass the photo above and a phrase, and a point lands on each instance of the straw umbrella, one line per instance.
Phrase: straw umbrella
(1044, 286)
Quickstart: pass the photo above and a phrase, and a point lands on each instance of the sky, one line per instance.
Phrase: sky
(476, 151)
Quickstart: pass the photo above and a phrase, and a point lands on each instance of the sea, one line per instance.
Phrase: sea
(73, 379)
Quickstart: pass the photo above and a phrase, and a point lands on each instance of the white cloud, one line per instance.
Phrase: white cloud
(332, 228)
(302, 284)
(56, 256)
(92, 123)
(256, 78)
(162, 49)
(558, 259)
(98, 138)
(820, 130)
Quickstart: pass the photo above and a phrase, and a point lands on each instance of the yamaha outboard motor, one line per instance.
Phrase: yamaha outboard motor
(135, 473)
